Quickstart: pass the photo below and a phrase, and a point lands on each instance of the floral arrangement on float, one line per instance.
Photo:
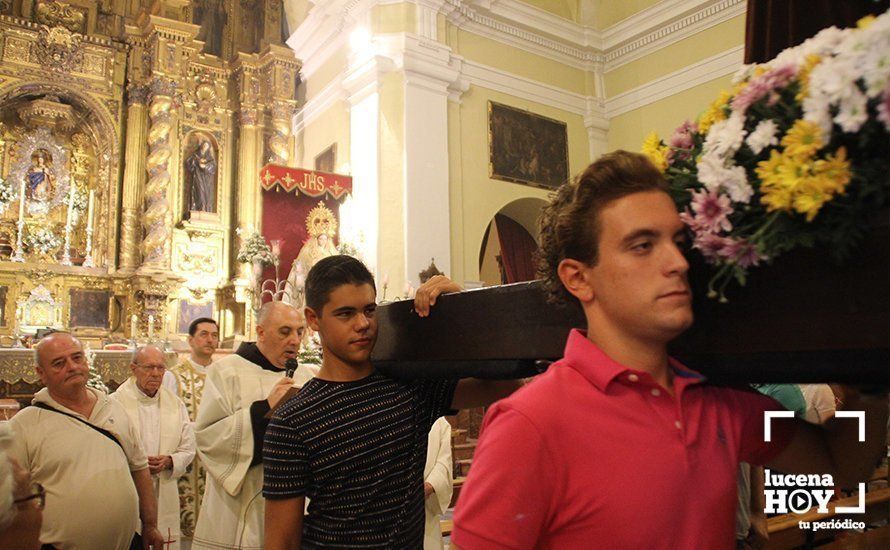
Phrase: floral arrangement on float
(796, 154)
(254, 249)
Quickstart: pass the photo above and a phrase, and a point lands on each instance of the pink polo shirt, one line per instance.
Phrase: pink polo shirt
(593, 454)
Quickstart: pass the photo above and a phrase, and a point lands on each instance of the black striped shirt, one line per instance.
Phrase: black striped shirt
(357, 451)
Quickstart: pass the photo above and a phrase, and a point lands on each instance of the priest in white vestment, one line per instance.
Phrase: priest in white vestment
(167, 435)
(239, 391)
(438, 482)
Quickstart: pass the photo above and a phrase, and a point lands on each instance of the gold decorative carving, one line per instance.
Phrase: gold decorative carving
(198, 263)
(94, 64)
(58, 49)
(16, 49)
(48, 111)
(55, 13)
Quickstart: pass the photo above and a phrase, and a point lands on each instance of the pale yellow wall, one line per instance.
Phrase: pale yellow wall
(325, 74)
(518, 62)
(627, 131)
(609, 12)
(391, 239)
(331, 127)
(393, 18)
(567, 9)
(476, 198)
(686, 52)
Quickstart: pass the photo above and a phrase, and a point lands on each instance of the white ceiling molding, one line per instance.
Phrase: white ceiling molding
(524, 88)
(666, 23)
(522, 34)
(525, 27)
(319, 104)
(716, 66)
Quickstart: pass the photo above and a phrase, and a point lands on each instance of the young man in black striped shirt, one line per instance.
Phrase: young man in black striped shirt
(354, 441)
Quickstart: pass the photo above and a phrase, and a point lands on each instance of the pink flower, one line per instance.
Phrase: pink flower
(884, 107)
(711, 245)
(681, 143)
(762, 85)
(742, 253)
(711, 210)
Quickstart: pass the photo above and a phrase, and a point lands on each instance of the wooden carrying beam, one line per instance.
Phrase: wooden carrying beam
(500, 332)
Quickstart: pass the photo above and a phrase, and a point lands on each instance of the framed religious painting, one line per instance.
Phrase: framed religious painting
(89, 308)
(526, 148)
(189, 311)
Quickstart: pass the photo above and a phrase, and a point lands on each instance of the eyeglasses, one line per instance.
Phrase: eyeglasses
(150, 368)
(38, 493)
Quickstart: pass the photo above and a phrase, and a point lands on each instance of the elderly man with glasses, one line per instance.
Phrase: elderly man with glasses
(167, 435)
(83, 449)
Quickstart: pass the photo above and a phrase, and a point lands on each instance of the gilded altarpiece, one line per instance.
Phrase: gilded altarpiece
(119, 134)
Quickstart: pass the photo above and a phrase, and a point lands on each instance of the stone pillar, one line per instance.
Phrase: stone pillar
(431, 76)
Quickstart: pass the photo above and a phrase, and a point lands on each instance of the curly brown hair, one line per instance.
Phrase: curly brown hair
(570, 223)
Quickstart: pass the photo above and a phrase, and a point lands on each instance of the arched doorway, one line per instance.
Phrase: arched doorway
(510, 241)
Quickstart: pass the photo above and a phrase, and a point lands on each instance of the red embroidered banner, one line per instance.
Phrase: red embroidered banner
(308, 182)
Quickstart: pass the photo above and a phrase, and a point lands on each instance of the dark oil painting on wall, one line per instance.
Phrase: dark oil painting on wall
(526, 148)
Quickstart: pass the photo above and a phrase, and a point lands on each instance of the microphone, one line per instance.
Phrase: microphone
(290, 366)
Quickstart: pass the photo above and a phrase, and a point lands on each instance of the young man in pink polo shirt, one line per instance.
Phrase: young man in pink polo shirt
(617, 445)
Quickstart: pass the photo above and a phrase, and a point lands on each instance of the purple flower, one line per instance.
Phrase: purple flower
(711, 210)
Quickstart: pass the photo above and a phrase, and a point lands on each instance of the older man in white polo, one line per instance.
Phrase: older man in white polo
(81, 446)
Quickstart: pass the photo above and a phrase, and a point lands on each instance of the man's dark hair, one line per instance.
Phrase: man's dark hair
(570, 225)
(330, 273)
(193, 326)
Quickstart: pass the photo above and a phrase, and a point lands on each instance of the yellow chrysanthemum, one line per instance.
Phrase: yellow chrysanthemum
(803, 75)
(802, 140)
(792, 172)
(768, 170)
(776, 198)
(811, 198)
(715, 112)
(656, 151)
(836, 169)
(866, 21)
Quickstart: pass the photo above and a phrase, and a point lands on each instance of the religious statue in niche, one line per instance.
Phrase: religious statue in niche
(40, 179)
(200, 169)
(211, 15)
(321, 225)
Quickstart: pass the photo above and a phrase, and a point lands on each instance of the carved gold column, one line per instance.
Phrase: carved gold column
(280, 71)
(156, 220)
(134, 175)
(250, 148)
(281, 123)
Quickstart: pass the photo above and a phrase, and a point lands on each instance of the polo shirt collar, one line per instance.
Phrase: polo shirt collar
(600, 370)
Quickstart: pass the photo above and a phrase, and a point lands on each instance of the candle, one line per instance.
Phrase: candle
(134, 319)
(22, 200)
(151, 326)
(90, 210)
(70, 205)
